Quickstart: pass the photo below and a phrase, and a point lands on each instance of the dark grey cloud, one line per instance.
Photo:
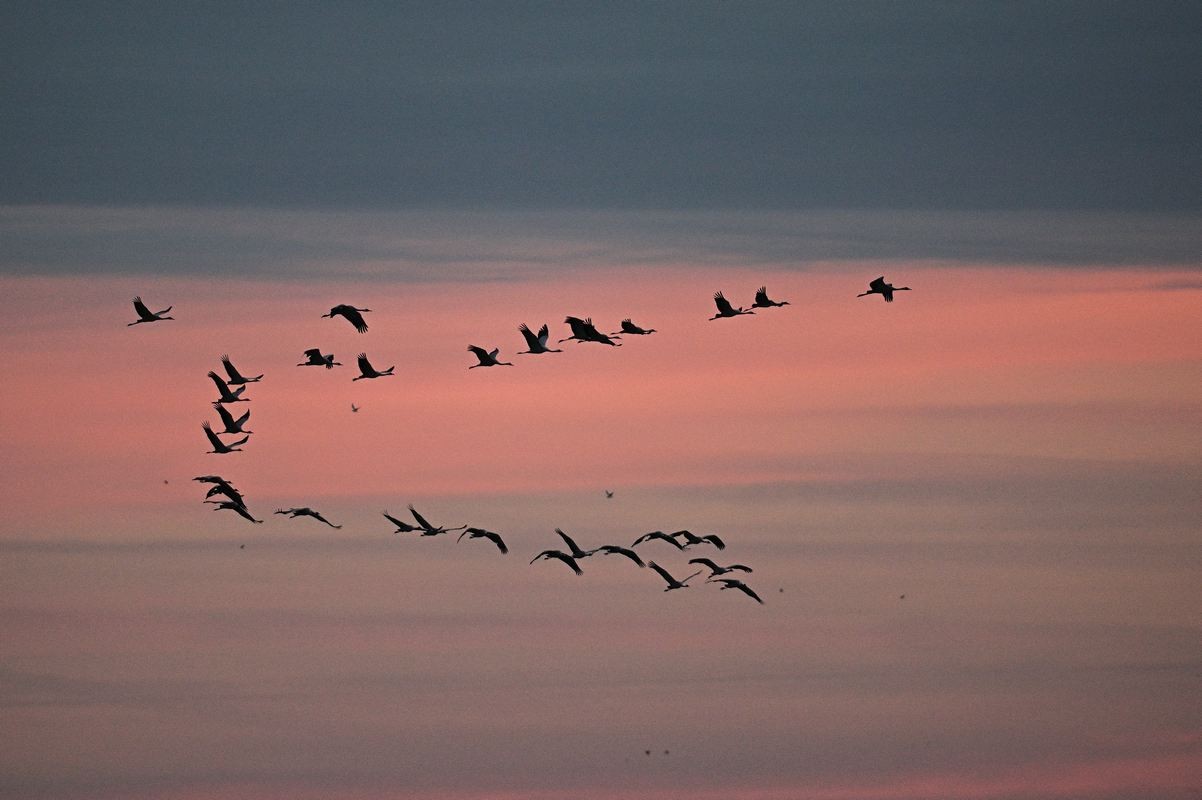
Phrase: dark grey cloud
(675, 104)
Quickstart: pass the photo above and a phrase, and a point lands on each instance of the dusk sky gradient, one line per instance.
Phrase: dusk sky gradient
(972, 513)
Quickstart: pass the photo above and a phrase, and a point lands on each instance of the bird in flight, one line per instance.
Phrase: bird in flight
(573, 548)
(631, 328)
(427, 528)
(486, 358)
(227, 419)
(667, 537)
(353, 315)
(305, 512)
(354, 408)
(316, 359)
(583, 330)
(218, 445)
(146, 315)
(886, 290)
(691, 539)
(229, 491)
(672, 582)
(734, 583)
(562, 556)
(480, 533)
(717, 569)
(366, 370)
(613, 549)
(536, 342)
(223, 390)
(609, 493)
(236, 377)
(762, 301)
(725, 309)
(237, 508)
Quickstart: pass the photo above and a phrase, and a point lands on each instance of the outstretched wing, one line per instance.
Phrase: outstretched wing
(878, 285)
(213, 440)
(227, 419)
(544, 333)
(495, 538)
(663, 573)
(568, 541)
(231, 370)
(404, 527)
(314, 354)
(222, 386)
(705, 562)
(747, 590)
(761, 297)
(143, 311)
(532, 342)
(724, 306)
(713, 538)
(480, 353)
(365, 365)
(420, 519)
(355, 318)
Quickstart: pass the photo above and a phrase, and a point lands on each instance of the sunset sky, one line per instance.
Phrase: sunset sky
(972, 513)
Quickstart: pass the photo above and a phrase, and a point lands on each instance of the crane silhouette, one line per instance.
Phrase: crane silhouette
(305, 512)
(480, 533)
(613, 549)
(632, 329)
(717, 569)
(146, 315)
(401, 526)
(316, 359)
(691, 539)
(227, 419)
(884, 289)
(669, 538)
(583, 330)
(219, 446)
(725, 309)
(573, 548)
(238, 508)
(762, 301)
(427, 528)
(537, 343)
(236, 377)
(351, 314)
(223, 390)
(547, 555)
(366, 370)
(486, 358)
(672, 582)
(735, 583)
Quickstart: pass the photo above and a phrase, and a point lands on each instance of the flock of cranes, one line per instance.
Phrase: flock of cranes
(231, 390)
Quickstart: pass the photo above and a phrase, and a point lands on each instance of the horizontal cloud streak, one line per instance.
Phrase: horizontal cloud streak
(460, 246)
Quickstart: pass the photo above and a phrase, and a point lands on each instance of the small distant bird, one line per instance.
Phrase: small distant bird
(232, 425)
(146, 315)
(613, 549)
(884, 289)
(354, 408)
(672, 582)
(725, 309)
(237, 508)
(573, 548)
(583, 330)
(351, 314)
(691, 539)
(734, 583)
(401, 527)
(631, 328)
(486, 358)
(762, 301)
(218, 445)
(669, 538)
(609, 494)
(305, 512)
(316, 359)
(480, 533)
(427, 528)
(223, 391)
(536, 343)
(236, 377)
(562, 556)
(366, 370)
(716, 569)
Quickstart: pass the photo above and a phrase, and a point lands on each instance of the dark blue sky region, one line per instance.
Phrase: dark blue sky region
(629, 105)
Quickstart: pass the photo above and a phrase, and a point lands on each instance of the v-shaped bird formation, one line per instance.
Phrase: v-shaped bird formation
(231, 390)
